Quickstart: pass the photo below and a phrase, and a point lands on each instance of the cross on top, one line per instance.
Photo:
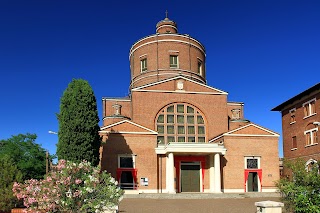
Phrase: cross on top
(166, 13)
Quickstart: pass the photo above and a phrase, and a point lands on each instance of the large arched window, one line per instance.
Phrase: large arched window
(180, 122)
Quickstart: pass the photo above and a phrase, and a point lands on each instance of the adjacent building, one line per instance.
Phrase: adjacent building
(174, 133)
(300, 125)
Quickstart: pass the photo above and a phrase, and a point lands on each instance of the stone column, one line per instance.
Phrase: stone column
(170, 174)
(217, 174)
(211, 173)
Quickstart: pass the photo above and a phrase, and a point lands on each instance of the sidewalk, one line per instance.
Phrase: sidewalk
(195, 203)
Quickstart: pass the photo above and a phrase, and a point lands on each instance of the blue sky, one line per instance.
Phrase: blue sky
(262, 52)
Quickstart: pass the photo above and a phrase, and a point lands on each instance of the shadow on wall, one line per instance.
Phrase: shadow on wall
(223, 162)
(114, 146)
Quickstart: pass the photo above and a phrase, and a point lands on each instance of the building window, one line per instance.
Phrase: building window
(126, 172)
(126, 161)
(252, 162)
(292, 115)
(294, 142)
(309, 108)
(200, 68)
(311, 135)
(143, 65)
(173, 61)
(180, 122)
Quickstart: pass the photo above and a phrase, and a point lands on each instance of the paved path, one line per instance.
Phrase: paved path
(194, 205)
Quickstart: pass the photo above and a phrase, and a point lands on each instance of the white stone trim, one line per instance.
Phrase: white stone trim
(246, 135)
(130, 192)
(235, 103)
(269, 190)
(167, 40)
(180, 91)
(127, 121)
(216, 138)
(116, 99)
(233, 190)
(250, 135)
(251, 124)
(179, 77)
(160, 35)
(166, 25)
(151, 191)
(178, 147)
(167, 73)
(133, 133)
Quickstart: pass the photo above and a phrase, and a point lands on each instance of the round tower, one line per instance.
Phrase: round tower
(166, 54)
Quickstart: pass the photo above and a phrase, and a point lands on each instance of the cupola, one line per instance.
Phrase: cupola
(166, 26)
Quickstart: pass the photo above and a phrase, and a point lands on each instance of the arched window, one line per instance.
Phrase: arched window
(310, 164)
(180, 122)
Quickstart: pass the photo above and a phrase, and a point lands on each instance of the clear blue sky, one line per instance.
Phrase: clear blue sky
(262, 52)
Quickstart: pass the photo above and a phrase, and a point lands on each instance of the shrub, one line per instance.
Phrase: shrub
(73, 187)
(301, 192)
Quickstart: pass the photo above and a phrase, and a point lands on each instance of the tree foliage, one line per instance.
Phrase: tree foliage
(78, 124)
(9, 173)
(301, 192)
(28, 156)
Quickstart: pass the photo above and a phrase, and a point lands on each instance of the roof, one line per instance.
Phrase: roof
(297, 97)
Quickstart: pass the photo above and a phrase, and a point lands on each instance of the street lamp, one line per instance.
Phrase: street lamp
(47, 154)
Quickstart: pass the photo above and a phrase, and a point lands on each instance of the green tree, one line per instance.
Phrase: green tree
(28, 156)
(78, 124)
(9, 173)
(301, 192)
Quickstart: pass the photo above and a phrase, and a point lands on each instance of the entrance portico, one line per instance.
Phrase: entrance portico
(180, 154)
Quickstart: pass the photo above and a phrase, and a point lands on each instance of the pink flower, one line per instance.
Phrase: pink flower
(78, 181)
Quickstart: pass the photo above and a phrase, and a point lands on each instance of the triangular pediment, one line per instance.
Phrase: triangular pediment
(251, 130)
(127, 127)
(180, 84)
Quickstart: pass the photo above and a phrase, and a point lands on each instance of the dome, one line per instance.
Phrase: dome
(166, 26)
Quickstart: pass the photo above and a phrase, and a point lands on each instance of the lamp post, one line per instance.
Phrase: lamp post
(47, 154)
(47, 164)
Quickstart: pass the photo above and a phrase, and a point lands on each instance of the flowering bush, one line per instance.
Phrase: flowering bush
(73, 187)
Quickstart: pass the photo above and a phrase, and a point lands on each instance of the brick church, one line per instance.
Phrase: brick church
(174, 133)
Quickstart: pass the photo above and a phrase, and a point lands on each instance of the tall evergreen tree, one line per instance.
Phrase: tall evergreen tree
(78, 124)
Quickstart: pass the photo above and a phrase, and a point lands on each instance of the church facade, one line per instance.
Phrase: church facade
(174, 133)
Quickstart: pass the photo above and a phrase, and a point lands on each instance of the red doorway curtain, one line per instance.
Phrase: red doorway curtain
(246, 175)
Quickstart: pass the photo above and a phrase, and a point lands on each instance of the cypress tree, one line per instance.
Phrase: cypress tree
(78, 124)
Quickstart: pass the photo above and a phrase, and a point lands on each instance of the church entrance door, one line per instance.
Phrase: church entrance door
(190, 176)
(253, 182)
